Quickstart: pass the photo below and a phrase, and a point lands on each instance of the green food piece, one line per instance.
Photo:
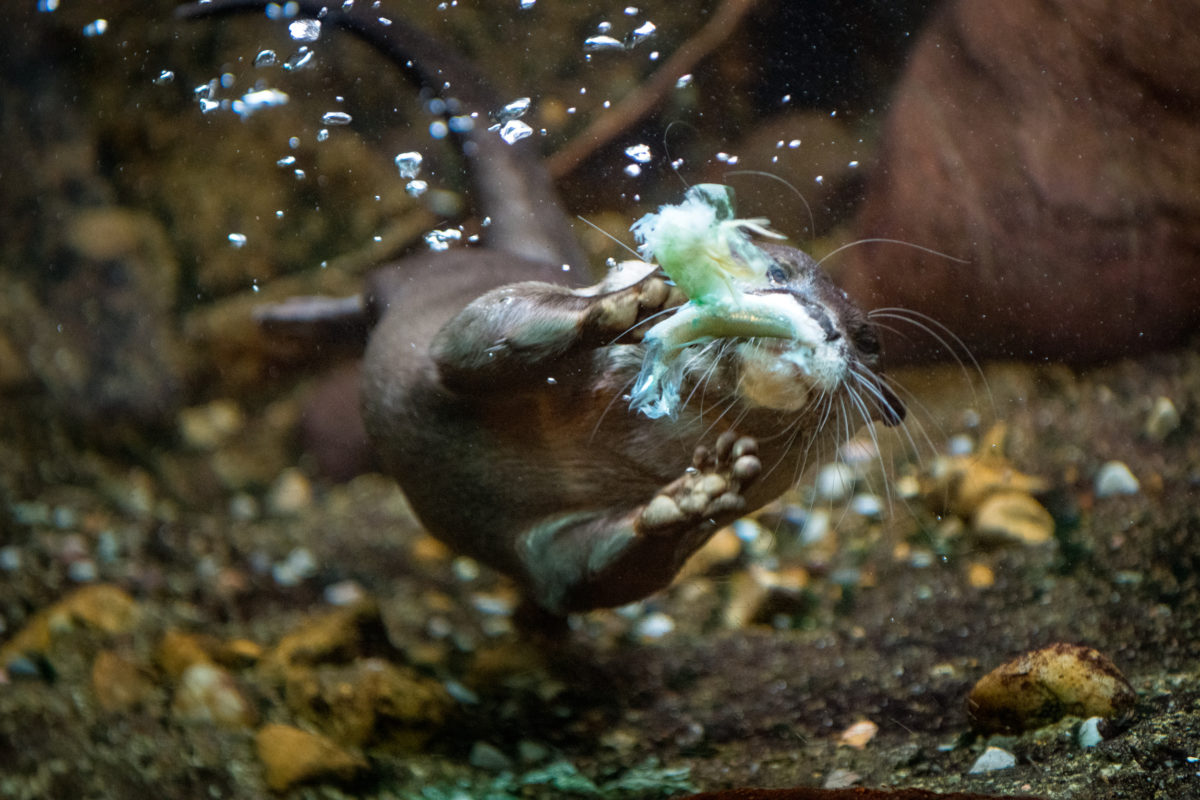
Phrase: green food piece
(704, 248)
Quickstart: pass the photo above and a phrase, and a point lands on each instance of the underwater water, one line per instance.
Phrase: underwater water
(209, 588)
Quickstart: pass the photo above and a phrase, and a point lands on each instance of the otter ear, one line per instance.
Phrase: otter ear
(891, 408)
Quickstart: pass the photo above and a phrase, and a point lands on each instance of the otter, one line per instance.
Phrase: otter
(496, 393)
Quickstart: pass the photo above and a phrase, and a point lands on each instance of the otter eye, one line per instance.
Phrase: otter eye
(776, 274)
(866, 340)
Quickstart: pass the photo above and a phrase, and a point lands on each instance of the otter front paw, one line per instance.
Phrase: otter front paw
(622, 312)
(709, 494)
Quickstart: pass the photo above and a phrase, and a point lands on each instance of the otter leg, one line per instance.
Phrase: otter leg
(510, 335)
(592, 560)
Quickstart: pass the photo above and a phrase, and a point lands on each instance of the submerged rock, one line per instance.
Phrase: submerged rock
(1043, 686)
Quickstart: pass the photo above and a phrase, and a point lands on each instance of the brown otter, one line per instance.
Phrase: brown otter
(496, 395)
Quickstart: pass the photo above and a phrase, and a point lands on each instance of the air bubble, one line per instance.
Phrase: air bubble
(416, 188)
(266, 58)
(639, 153)
(633, 170)
(409, 164)
(165, 77)
(305, 30)
(439, 241)
(684, 81)
(594, 44)
(514, 131)
(525, 5)
(514, 110)
(47, 6)
(335, 118)
(96, 28)
(237, 240)
(641, 33)
(323, 134)
(286, 161)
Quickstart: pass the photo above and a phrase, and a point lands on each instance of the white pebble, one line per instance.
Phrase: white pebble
(1162, 421)
(993, 759)
(1115, 478)
(1089, 733)
(654, 626)
(835, 482)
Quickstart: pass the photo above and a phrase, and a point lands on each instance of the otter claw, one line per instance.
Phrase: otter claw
(711, 492)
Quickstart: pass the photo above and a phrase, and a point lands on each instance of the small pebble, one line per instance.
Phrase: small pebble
(208, 427)
(835, 482)
(858, 734)
(291, 494)
(1114, 478)
(841, 778)
(299, 566)
(1089, 732)
(993, 759)
(654, 626)
(208, 693)
(1162, 421)
(487, 757)
(867, 505)
(344, 593)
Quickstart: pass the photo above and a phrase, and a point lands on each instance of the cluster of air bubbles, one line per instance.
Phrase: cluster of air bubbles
(726, 158)
(639, 154)
(47, 6)
(256, 100)
(508, 121)
(604, 40)
(95, 28)
(409, 166)
(441, 240)
(300, 59)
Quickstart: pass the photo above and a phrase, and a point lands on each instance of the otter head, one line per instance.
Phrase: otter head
(837, 352)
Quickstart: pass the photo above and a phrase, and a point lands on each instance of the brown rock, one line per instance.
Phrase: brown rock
(291, 756)
(1012, 517)
(100, 606)
(179, 650)
(1050, 145)
(1042, 686)
(119, 682)
(369, 700)
(339, 636)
